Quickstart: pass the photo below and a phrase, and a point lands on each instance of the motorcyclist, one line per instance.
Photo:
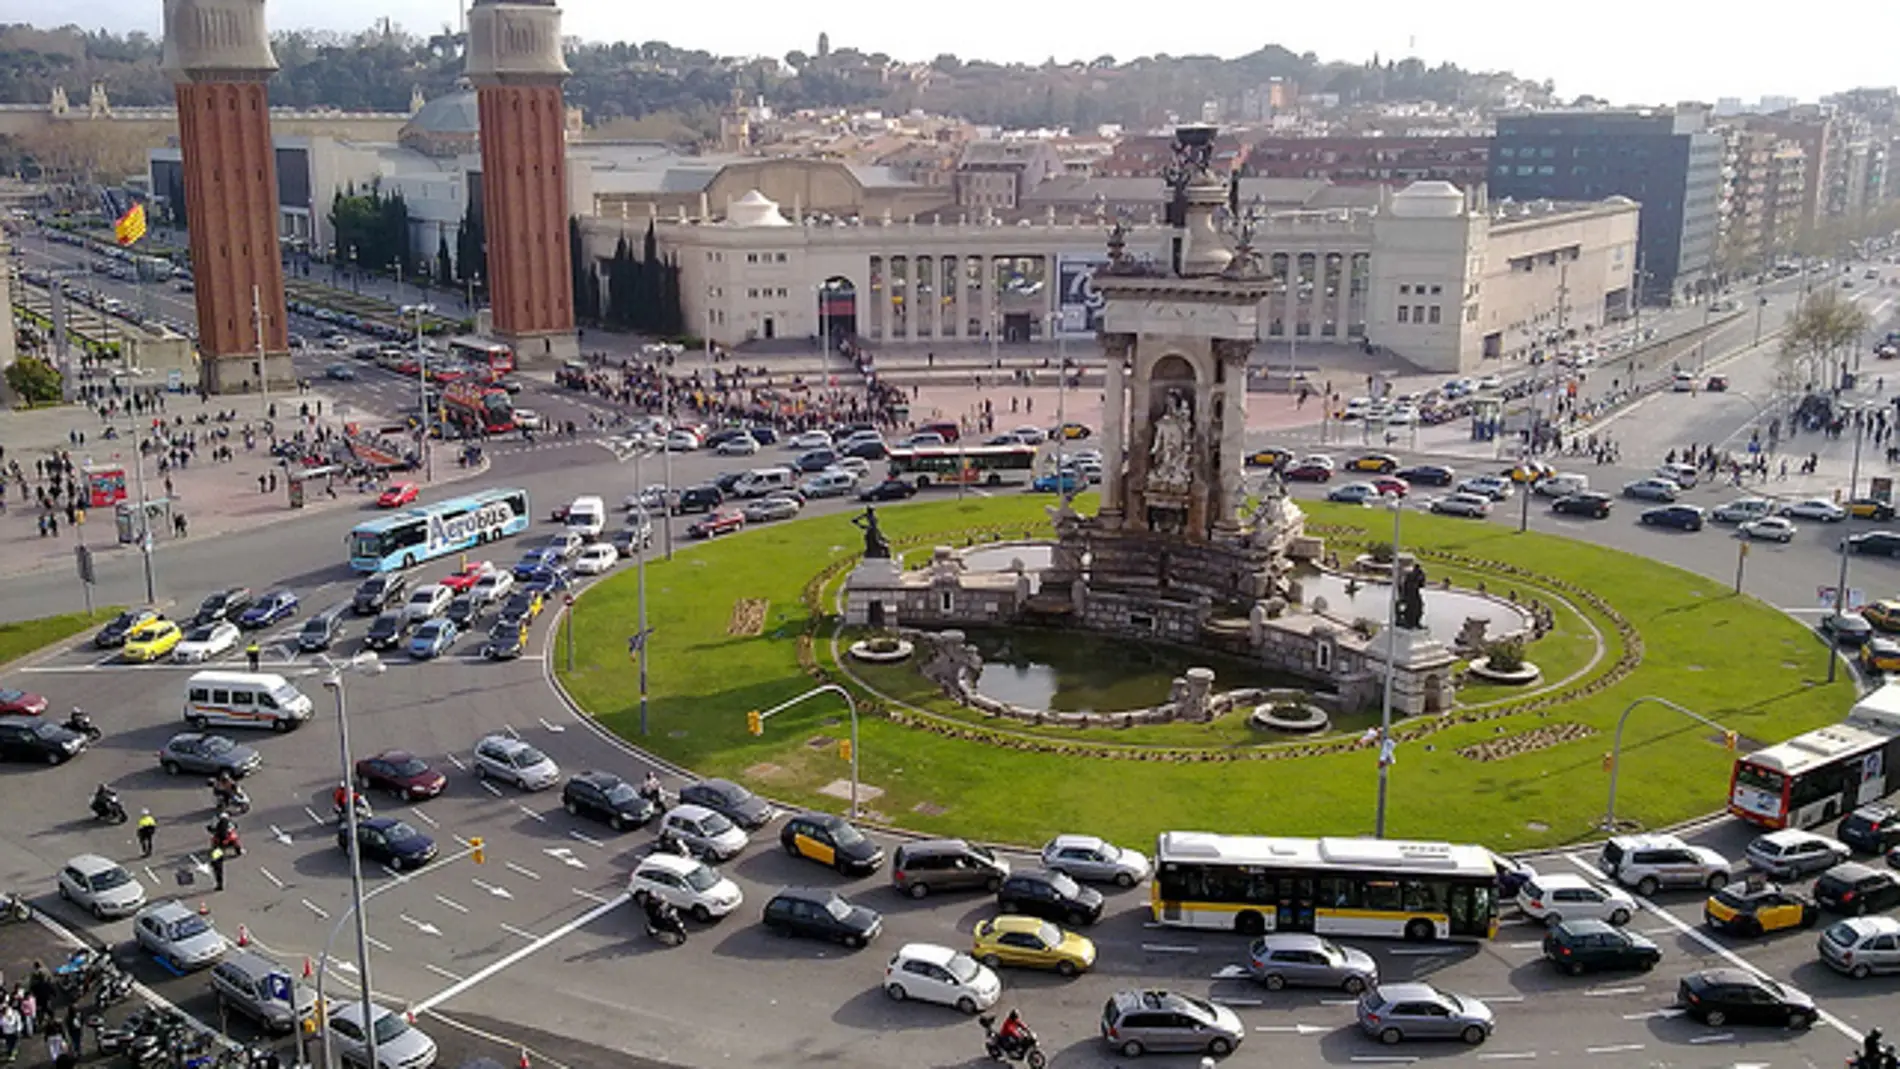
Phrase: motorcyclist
(344, 796)
(1015, 1035)
(650, 788)
(223, 829)
(224, 788)
(103, 799)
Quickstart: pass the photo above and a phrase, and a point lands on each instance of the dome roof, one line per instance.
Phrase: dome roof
(456, 113)
(1619, 200)
(755, 209)
(1429, 200)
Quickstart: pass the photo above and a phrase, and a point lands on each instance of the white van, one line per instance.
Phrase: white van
(587, 516)
(762, 481)
(244, 699)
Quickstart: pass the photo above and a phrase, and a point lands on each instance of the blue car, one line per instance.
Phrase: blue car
(1066, 483)
(389, 841)
(545, 557)
(431, 639)
(267, 610)
(547, 579)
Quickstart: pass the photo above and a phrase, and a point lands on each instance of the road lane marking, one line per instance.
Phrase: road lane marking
(1296, 1029)
(507, 960)
(314, 819)
(1231, 972)
(1619, 1048)
(452, 904)
(378, 944)
(588, 839)
(1508, 1056)
(1651, 1015)
(556, 728)
(273, 879)
(443, 973)
(1498, 998)
(152, 876)
(1527, 944)
(529, 873)
(491, 788)
(512, 733)
(314, 908)
(512, 930)
(1339, 1002)
(531, 813)
(498, 892)
(424, 817)
(280, 835)
(1611, 992)
(590, 894)
(1853, 1035)
(565, 855)
(387, 870)
(456, 761)
(1419, 952)
(1385, 1059)
(1719, 1037)
(1167, 948)
(421, 926)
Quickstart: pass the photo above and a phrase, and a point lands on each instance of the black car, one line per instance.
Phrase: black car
(386, 632)
(112, 636)
(379, 591)
(1871, 829)
(518, 612)
(831, 840)
(1592, 503)
(816, 461)
(321, 631)
(1856, 889)
(868, 449)
(1878, 543)
(726, 480)
(389, 841)
(505, 641)
(702, 498)
(1681, 517)
(1051, 896)
(464, 611)
(1581, 946)
(730, 800)
(888, 490)
(723, 434)
(821, 914)
(224, 605)
(607, 798)
(1428, 475)
(28, 738)
(1722, 996)
(628, 540)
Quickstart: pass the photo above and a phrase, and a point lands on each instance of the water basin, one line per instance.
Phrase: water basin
(1445, 610)
(1077, 672)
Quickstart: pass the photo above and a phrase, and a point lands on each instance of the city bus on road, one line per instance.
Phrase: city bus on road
(473, 407)
(425, 532)
(970, 465)
(1356, 887)
(484, 359)
(1824, 774)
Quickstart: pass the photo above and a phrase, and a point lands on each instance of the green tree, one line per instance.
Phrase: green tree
(34, 380)
(444, 264)
(623, 283)
(1819, 328)
(471, 244)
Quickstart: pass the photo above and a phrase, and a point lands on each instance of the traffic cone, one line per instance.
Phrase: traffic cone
(244, 936)
(307, 970)
(203, 910)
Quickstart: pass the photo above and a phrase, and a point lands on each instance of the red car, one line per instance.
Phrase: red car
(1393, 485)
(1309, 473)
(398, 495)
(721, 521)
(20, 703)
(461, 581)
(401, 773)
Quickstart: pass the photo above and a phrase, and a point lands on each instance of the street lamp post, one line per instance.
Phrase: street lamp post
(1840, 583)
(1761, 303)
(334, 681)
(355, 278)
(1391, 673)
(758, 726)
(1615, 756)
(645, 634)
(422, 388)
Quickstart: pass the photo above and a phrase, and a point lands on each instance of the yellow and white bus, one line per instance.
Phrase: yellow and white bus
(1364, 887)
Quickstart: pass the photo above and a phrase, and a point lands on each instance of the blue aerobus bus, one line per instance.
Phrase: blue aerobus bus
(414, 535)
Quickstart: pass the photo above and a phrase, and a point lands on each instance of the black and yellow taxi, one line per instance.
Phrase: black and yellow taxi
(1271, 457)
(1880, 655)
(1529, 471)
(1884, 615)
(1377, 463)
(1870, 508)
(831, 840)
(1757, 908)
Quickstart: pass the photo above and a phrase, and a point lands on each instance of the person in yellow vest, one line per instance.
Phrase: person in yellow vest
(217, 865)
(252, 653)
(148, 830)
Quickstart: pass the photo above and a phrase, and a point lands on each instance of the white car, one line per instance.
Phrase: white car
(1768, 529)
(1030, 435)
(857, 466)
(427, 603)
(1462, 504)
(1561, 896)
(739, 445)
(1490, 487)
(682, 442)
(651, 499)
(931, 973)
(596, 559)
(100, 886)
(703, 832)
(177, 936)
(1491, 382)
(808, 440)
(399, 1044)
(203, 643)
(528, 419)
(832, 482)
(1792, 853)
(1403, 416)
(1815, 508)
(687, 885)
(513, 761)
(492, 587)
(1317, 460)
(1742, 508)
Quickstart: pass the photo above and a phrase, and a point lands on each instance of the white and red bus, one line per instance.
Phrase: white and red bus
(483, 355)
(1824, 774)
(973, 465)
(472, 406)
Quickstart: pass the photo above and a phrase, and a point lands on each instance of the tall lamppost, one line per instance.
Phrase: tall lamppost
(422, 386)
(367, 663)
(1391, 672)
(355, 283)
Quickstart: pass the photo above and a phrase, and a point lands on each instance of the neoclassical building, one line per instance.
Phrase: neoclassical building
(1436, 276)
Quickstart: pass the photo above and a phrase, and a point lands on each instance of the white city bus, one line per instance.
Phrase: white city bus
(1824, 774)
(1363, 887)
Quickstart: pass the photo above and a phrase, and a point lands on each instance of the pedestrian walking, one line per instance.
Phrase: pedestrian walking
(148, 831)
(217, 866)
(29, 1006)
(57, 1047)
(251, 654)
(10, 1028)
(76, 1032)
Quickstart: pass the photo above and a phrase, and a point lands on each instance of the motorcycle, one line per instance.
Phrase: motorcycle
(225, 838)
(230, 799)
(1007, 1050)
(14, 909)
(81, 724)
(363, 811)
(108, 808)
(663, 923)
(655, 795)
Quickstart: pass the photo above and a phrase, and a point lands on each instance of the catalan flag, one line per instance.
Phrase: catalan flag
(131, 225)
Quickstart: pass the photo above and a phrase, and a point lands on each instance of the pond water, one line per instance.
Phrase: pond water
(1445, 610)
(1073, 672)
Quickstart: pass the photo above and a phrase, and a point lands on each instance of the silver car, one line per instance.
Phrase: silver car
(1136, 1022)
(100, 886)
(765, 510)
(399, 1044)
(1302, 960)
(1085, 857)
(1862, 946)
(1398, 1012)
(513, 761)
(1792, 853)
(705, 833)
(177, 936)
(195, 751)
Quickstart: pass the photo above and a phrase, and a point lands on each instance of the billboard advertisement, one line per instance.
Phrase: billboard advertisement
(1079, 307)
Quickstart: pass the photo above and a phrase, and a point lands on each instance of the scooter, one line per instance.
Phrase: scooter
(1004, 1050)
(13, 909)
(230, 799)
(80, 723)
(226, 840)
(109, 809)
(363, 811)
(664, 925)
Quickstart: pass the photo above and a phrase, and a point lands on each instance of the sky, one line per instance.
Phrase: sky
(1628, 51)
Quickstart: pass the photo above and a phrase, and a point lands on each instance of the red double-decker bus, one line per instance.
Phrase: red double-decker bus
(483, 359)
(471, 407)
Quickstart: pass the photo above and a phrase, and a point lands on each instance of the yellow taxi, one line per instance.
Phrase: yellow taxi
(151, 640)
(1530, 471)
(1869, 508)
(1074, 431)
(1880, 655)
(831, 840)
(1270, 457)
(1884, 615)
(1377, 463)
(1031, 943)
(1755, 909)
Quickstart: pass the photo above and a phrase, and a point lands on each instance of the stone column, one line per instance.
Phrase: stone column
(1115, 347)
(1231, 354)
(1139, 437)
(911, 311)
(1344, 298)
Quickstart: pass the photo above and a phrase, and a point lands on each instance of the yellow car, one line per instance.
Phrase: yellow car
(1031, 943)
(1867, 508)
(151, 640)
(1530, 471)
(1884, 615)
(1881, 655)
(1377, 463)
(1756, 910)
(1270, 457)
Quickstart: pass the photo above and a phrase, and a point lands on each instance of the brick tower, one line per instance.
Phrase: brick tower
(218, 55)
(514, 60)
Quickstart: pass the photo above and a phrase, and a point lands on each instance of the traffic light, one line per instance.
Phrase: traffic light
(481, 854)
(844, 749)
(755, 723)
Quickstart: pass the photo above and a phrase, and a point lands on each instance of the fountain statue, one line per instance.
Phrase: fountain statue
(1409, 613)
(876, 546)
(1171, 470)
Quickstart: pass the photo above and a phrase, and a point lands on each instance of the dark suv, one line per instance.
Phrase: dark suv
(386, 632)
(1871, 829)
(380, 591)
(702, 498)
(224, 605)
(1051, 896)
(946, 865)
(1857, 890)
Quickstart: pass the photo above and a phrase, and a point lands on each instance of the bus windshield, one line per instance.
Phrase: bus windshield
(1761, 779)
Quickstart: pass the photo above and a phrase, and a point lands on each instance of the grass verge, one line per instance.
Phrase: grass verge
(22, 637)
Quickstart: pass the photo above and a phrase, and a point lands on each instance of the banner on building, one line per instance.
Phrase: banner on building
(1078, 307)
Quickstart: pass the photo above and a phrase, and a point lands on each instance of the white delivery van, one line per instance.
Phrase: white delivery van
(244, 699)
(587, 516)
(762, 481)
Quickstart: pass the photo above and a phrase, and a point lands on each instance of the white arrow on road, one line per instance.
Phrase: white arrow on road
(280, 834)
(566, 856)
(589, 840)
(1297, 1029)
(421, 926)
(498, 892)
(1231, 972)
(343, 966)
(556, 728)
